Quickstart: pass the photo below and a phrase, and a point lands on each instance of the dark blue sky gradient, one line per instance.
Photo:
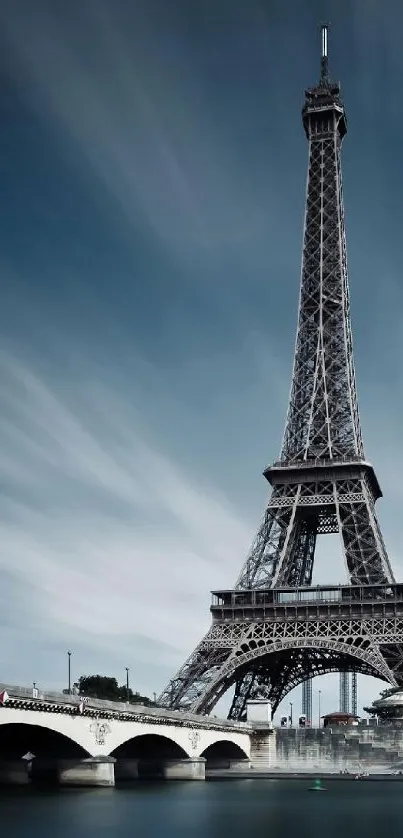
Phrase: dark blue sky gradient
(152, 171)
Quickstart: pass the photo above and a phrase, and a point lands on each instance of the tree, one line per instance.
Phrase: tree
(99, 686)
(386, 693)
(107, 689)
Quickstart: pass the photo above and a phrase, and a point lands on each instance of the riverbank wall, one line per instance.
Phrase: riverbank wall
(334, 750)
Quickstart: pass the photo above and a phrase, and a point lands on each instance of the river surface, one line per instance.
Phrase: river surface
(220, 809)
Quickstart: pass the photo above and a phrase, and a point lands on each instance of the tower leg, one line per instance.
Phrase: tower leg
(354, 694)
(307, 700)
(344, 693)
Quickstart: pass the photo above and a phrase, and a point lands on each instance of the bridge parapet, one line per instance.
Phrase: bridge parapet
(23, 698)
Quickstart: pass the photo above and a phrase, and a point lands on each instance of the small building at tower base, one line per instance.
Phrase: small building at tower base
(339, 719)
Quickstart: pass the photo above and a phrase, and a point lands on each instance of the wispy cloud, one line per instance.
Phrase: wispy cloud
(107, 530)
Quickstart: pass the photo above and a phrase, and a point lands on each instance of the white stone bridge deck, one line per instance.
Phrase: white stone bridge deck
(56, 726)
(25, 698)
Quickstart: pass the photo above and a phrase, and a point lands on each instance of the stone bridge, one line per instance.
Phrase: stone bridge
(86, 741)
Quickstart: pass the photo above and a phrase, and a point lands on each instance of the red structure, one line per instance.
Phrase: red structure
(339, 719)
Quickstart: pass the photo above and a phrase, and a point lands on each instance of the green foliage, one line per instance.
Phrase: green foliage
(108, 689)
(390, 691)
(384, 712)
(370, 710)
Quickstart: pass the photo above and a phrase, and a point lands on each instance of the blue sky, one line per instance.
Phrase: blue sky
(152, 170)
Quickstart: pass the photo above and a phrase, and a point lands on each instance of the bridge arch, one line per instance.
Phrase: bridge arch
(324, 655)
(70, 727)
(149, 752)
(222, 752)
(20, 738)
(149, 746)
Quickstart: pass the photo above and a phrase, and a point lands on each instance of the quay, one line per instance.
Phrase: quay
(277, 776)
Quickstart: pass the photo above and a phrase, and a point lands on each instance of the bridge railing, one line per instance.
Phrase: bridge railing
(28, 693)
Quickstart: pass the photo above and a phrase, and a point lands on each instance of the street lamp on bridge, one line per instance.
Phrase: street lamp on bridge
(127, 684)
(69, 670)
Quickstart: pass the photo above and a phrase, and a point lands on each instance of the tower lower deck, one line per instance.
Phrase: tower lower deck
(312, 603)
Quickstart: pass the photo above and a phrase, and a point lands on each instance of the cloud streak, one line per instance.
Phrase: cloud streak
(106, 529)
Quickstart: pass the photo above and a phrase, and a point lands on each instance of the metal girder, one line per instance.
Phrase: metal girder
(283, 654)
(322, 483)
(307, 700)
(283, 551)
(354, 694)
(323, 420)
(344, 693)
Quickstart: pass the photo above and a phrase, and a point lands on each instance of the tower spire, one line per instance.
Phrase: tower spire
(324, 61)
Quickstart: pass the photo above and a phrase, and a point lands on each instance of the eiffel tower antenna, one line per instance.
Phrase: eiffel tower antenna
(274, 630)
(324, 62)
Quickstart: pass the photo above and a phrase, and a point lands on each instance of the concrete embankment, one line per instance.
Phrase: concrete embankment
(328, 751)
(266, 775)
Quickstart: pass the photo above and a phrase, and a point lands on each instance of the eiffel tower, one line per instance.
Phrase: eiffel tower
(275, 630)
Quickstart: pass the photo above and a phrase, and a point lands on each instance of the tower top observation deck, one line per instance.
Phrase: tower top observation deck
(325, 96)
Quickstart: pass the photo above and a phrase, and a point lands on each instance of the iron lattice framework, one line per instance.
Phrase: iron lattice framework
(344, 693)
(307, 700)
(321, 484)
(354, 694)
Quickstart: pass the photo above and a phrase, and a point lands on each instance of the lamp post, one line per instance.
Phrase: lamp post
(127, 684)
(291, 713)
(69, 670)
(319, 694)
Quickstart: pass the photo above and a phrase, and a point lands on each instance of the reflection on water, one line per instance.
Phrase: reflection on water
(247, 808)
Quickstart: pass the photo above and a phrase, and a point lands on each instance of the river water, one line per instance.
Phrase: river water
(233, 808)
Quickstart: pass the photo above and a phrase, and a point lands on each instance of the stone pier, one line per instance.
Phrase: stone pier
(127, 770)
(263, 749)
(94, 771)
(234, 765)
(185, 769)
